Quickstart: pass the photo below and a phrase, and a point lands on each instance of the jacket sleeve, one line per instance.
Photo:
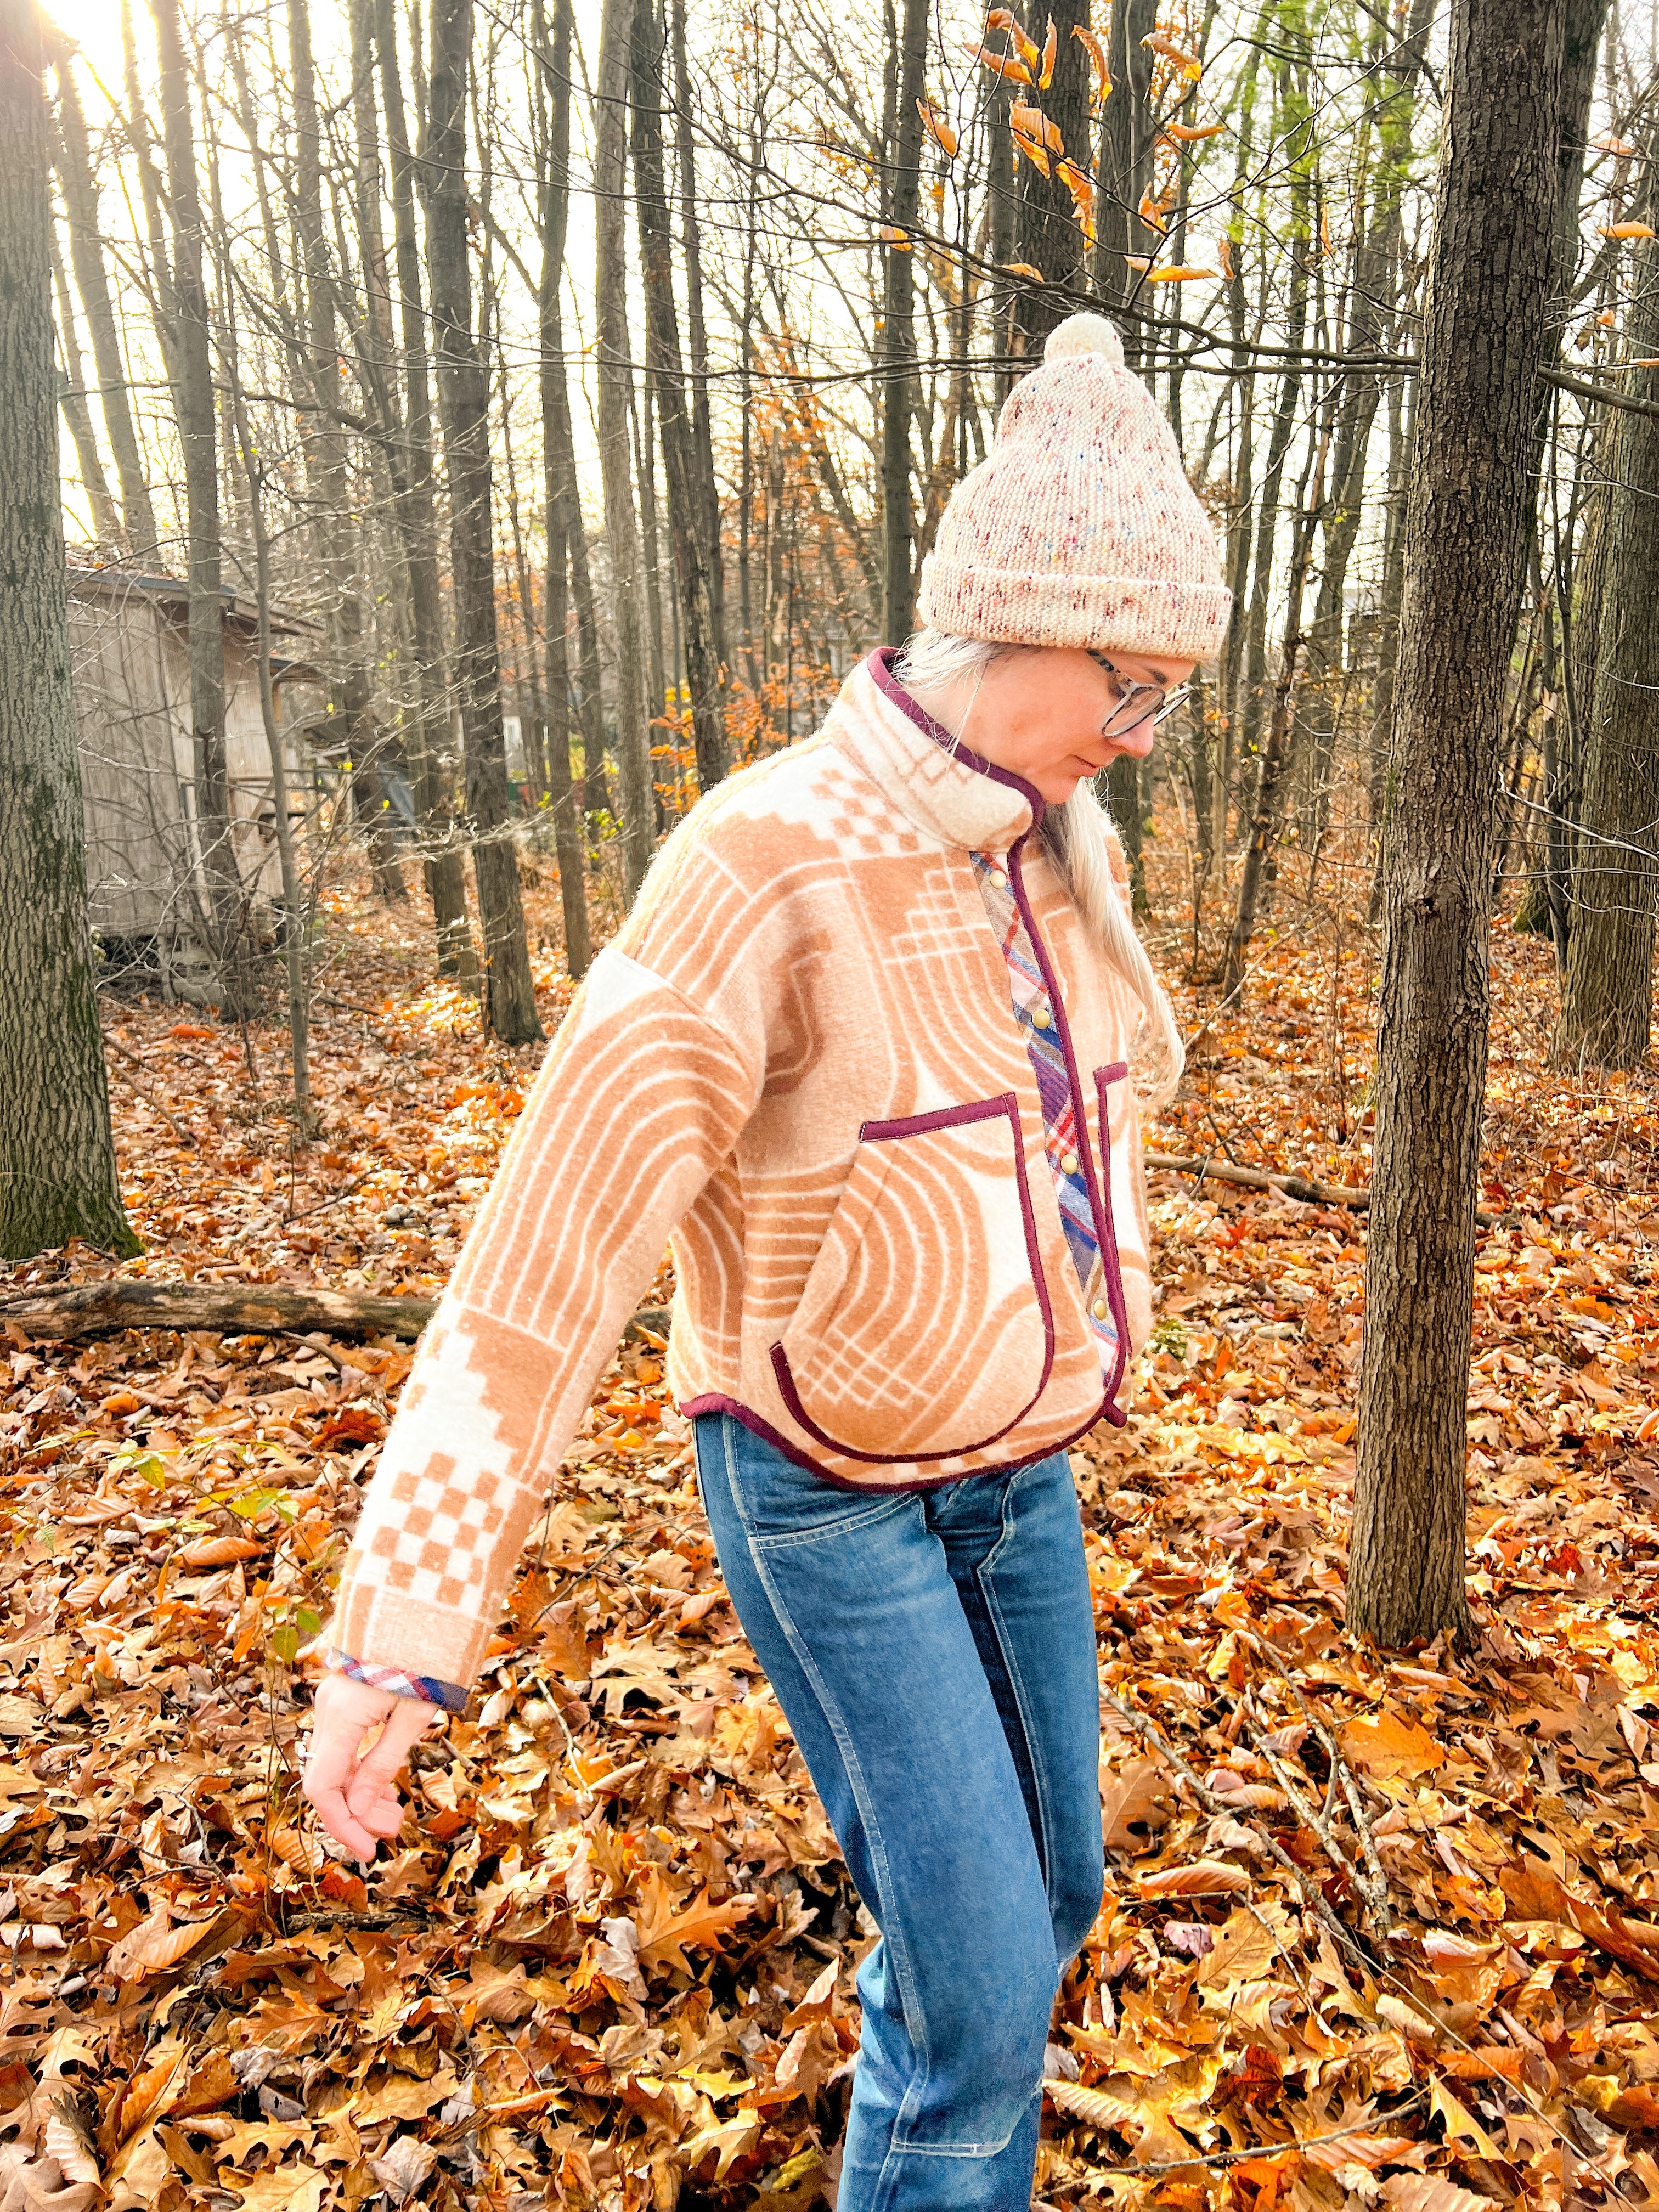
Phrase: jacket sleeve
(639, 1099)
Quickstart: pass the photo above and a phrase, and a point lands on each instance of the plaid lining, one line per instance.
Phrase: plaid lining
(1062, 1134)
(427, 1688)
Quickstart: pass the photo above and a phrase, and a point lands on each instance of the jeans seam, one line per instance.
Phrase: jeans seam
(782, 1541)
(1004, 1646)
(915, 2018)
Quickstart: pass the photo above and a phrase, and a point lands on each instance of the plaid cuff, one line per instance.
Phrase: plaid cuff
(452, 1695)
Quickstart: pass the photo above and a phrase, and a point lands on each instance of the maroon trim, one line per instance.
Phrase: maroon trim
(945, 1117)
(1112, 1268)
(716, 1402)
(942, 1117)
(880, 666)
(1104, 1234)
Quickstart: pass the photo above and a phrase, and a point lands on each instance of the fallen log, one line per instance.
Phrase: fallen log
(1294, 1186)
(89, 1309)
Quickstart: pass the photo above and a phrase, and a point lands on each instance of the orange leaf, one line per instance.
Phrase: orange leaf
(1161, 44)
(1224, 254)
(662, 1933)
(1384, 1743)
(220, 1551)
(942, 134)
(1369, 2151)
(1050, 47)
(154, 1946)
(1004, 64)
(1189, 133)
(1023, 269)
(1004, 19)
(1203, 1878)
(294, 1849)
(1178, 276)
(1097, 54)
(1627, 230)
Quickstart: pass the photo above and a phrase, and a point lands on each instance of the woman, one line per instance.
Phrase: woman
(863, 1047)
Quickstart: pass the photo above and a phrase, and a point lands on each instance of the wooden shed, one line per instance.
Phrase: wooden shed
(130, 661)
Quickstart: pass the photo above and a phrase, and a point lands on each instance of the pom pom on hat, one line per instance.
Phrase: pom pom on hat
(1084, 333)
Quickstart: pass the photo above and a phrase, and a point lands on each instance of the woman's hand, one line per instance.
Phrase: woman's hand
(355, 1791)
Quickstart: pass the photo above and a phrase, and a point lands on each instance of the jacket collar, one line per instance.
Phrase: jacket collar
(939, 784)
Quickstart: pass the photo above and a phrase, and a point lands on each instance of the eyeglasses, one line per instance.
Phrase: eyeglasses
(1136, 702)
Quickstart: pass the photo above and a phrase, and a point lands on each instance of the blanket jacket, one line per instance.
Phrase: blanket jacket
(800, 1061)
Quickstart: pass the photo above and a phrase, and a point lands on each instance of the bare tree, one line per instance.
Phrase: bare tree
(416, 510)
(194, 403)
(559, 464)
(615, 383)
(693, 554)
(1464, 537)
(58, 1172)
(1607, 984)
(73, 160)
(464, 401)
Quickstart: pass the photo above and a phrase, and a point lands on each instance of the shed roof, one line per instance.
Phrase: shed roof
(174, 592)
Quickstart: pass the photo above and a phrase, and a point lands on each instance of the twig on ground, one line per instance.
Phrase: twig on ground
(1309, 1814)
(1376, 1891)
(1213, 1802)
(184, 1136)
(1232, 2156)
(1304, 1187)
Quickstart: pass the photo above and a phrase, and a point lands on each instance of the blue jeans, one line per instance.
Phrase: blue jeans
(934, 1655)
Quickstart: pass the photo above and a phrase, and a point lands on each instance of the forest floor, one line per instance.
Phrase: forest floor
(1377, 1930)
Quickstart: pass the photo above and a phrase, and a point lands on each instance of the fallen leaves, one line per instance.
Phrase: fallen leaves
(609, 1957)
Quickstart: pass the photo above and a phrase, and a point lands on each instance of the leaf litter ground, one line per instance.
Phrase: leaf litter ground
(1377, 1931)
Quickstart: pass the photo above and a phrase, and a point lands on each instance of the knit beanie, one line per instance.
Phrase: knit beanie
(1079, 528)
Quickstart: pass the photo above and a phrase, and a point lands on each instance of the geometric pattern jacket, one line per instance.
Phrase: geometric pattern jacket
(798, 1061)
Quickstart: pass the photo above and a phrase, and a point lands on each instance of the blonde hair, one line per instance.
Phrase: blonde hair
(1078, 838)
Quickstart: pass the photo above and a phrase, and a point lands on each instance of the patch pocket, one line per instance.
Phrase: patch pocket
(924, 1329)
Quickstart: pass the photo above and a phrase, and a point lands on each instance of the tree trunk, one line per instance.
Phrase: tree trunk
(1271, 767)
(1122, 800)
(1050, 237)
(72, 398)
(377, 351)
(558, 462)
(58, 1172)
(1607, 989)
(616, 382)
(417, 521)
(1465, 538)
(295, 914)
(643, 437)
(464, 404)
(693, 551)
(1125, 166)
(328, 475)
(1293, 130)
(198, 435)
(75, 178)
(702, 442)
(899, 330)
